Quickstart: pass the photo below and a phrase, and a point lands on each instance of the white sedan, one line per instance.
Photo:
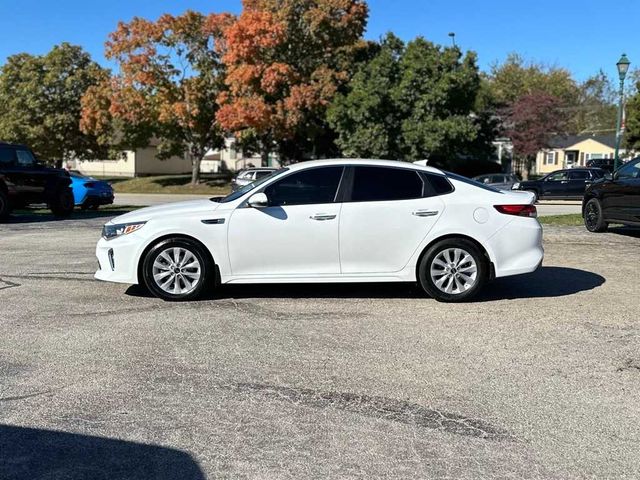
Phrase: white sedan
(330, 221)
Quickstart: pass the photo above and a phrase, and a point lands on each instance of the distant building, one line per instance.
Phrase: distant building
(145, 162)
(575, 151)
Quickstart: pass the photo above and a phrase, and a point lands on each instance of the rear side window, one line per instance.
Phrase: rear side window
(579, 175)
(315, 186)
(379, 184)
(7, 157)
(439, 184)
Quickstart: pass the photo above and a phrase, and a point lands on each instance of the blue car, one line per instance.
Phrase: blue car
(89, 192)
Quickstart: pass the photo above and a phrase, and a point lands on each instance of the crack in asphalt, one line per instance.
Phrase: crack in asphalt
(5, 284)
(380, 408)
(52, 276)
(30, 395)
(629, 364)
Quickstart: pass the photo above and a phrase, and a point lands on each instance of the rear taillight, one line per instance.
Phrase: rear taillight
(518, 210)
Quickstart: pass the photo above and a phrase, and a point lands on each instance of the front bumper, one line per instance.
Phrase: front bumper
(118, 260)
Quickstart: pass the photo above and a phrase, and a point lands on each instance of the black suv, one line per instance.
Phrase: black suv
(605, 164)
(25, 181)
(562, 184)
(614, 199)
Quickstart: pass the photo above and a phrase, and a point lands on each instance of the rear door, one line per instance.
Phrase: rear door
(621, 197)
(578, 181)
(384, 219)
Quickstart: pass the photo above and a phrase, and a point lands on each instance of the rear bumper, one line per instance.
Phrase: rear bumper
(98, 199)
(517, 247)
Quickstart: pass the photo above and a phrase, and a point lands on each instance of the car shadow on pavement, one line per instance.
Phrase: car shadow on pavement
(545, 282)
(633, 232)
(28, 453)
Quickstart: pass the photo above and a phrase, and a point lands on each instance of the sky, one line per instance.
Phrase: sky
(580, 35)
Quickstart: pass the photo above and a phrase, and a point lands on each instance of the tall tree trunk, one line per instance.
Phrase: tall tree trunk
(264, 157)
(196, 160)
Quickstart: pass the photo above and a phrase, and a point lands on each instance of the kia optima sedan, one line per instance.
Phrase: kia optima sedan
(330, 221)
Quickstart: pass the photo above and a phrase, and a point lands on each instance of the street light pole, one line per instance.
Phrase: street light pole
(623, 68)
(453, 38)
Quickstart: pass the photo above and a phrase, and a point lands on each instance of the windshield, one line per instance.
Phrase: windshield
(247, 188)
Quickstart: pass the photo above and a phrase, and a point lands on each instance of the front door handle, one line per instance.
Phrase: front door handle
(322, 217)
(425, 213)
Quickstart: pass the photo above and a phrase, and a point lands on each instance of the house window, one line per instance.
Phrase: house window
(551, 158)
(594, 156)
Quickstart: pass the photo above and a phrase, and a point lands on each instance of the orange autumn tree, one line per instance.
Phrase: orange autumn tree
(169, 75)
(285, 60)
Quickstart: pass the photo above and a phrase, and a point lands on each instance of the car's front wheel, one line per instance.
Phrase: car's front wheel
(453, 270)
(177, 269)
(593, 217)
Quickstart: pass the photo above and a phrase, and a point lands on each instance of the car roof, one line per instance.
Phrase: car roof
(362, 162)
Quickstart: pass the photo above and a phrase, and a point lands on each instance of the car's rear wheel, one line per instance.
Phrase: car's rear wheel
(593, 217)
(63, 203)
(177, 269)
(453, 270)
(5, 206)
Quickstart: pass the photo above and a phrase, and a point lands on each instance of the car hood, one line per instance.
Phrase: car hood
(166, 210)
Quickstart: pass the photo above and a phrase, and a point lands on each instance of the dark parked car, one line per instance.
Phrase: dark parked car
(562, 184)
(605, 164)
(614, 199)
(25, 181)
(502, 181)
(250, 175)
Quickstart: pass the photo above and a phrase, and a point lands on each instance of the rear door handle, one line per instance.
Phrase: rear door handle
(322, 217)
(425, 213)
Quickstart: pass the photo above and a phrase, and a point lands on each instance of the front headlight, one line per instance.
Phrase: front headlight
(515, 186)
(110, 232)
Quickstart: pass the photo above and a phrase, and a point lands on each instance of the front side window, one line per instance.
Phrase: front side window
(630, 170)
(25, 158)
(7, 157)
(557, 177)
(314, 186)
(379, 184)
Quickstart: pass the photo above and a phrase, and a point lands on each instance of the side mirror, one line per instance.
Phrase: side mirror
(258, 200)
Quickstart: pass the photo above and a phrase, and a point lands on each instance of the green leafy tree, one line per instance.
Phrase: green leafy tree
(411, 102)
(41, 102)
(516, 78)
(632, 121)
(596, 108)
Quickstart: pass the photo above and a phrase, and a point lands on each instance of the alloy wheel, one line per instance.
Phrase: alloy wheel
(454, 271)
(591, 215)
(177, 271)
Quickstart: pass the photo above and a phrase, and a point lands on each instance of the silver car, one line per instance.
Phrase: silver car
(502, 181)
(250, 175)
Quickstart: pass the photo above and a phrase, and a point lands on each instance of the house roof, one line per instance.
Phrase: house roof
(566, 141)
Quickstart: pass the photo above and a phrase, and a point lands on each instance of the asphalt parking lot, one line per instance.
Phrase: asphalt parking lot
(538, 379)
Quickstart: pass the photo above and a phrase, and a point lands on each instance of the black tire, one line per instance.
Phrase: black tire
(535, 194)
(5, 206)
(593, 217)
(460, 272)
(63, 203)
(206, 270)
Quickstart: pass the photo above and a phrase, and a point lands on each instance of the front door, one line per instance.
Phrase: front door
(621, 197)
(555, 185)
(296, 234)
(578, 181)
(385, 220)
